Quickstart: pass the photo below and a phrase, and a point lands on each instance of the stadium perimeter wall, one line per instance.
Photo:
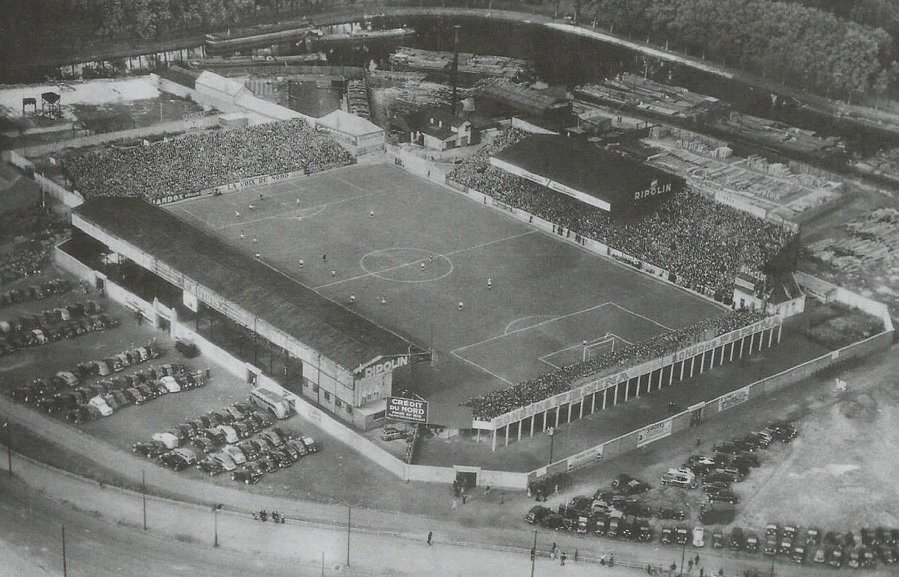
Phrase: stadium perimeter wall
(732, 400)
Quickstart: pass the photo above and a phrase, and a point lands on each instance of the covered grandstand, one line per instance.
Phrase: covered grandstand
(334, 345)
(597, 177)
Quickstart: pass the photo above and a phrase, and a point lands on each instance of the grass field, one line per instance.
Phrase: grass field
(377, 233)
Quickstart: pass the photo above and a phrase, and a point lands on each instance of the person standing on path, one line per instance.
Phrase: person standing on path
(430, 536)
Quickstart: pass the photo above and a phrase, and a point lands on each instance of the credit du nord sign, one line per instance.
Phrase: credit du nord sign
(408, 410)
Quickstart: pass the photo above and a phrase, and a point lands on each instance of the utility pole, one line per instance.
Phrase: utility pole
(8, 448)
(552, 438)
(143, 491)
(215, 521)
(349, 516)
(534, 553)
(64, 567)
(683, 553)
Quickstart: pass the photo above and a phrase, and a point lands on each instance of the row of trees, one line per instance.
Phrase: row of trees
(788, 41)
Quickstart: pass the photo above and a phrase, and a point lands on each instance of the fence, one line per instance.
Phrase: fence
(172, 127)
(682, 421)
(830, 291)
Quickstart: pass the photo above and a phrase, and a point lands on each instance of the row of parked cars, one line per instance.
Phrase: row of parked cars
(67, 393)
(831, 548)
(53, 325)
(35, 292)
(239, 439)
(618, 511)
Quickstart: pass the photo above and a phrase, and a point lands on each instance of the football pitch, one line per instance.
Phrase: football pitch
(498, 300)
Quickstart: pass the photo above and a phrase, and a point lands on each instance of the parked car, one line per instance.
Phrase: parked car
(717, 540)
(752, 543)
(211, 467)
(681, 535)
(698, 537)
(724, 496)
(169, 440)
(736, 538)
(246, 476)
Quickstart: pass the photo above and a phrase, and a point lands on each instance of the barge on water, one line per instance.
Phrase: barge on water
(407, 59)
(259, 36)
(317, 39)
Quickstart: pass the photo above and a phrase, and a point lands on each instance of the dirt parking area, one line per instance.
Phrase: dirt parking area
(840, 473)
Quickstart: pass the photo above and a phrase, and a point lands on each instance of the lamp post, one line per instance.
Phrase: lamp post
(552, 438)
(584, 359)
(215, 517)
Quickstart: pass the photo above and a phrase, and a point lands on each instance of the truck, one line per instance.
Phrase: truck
(717, 514)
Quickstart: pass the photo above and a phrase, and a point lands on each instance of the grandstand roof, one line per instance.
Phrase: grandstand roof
(339, 334)
(590, 174)
(221, 84)
(348, 123)
(523, 97)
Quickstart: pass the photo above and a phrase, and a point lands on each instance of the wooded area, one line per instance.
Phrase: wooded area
(831, 47)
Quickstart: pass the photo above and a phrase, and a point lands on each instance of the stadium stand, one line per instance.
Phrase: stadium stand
(701, 241)
(496, 403)
(201, 161)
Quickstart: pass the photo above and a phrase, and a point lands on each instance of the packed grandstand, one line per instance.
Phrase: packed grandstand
(701, 241)
(496, 403)
(201, 161)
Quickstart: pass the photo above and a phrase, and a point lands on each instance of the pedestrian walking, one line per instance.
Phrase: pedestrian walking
(562, 558)
(689, 565)
(208, 371)
(575, 555)
(455, 503)
(698, 441)
(696, 560)
(430, 536)
(611, 560)
(701, 572)
(464, 498)
(502, 498)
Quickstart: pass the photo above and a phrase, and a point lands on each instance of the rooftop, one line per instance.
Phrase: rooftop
(339, 334)
(577, 168)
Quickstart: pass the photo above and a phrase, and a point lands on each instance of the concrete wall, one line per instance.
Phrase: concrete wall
(173, 127)
(846, 297)
(66, 197)
(764, 387)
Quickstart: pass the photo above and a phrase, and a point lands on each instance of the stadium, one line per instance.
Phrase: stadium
(541, 282)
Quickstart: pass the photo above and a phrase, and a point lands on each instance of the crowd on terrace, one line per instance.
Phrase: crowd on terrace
(496, 403)
(200, 161)
(701, 241)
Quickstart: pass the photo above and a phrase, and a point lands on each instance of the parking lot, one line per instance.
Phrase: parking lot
(336, 474)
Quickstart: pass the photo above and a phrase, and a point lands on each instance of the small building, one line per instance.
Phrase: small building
(359, 136)
(441, 130)
(780, 296)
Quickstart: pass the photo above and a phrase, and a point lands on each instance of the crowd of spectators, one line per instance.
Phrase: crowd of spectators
(496, 403)
(201, 161)
(701, 241)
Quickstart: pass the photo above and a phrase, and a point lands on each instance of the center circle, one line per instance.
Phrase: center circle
(404, 264)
